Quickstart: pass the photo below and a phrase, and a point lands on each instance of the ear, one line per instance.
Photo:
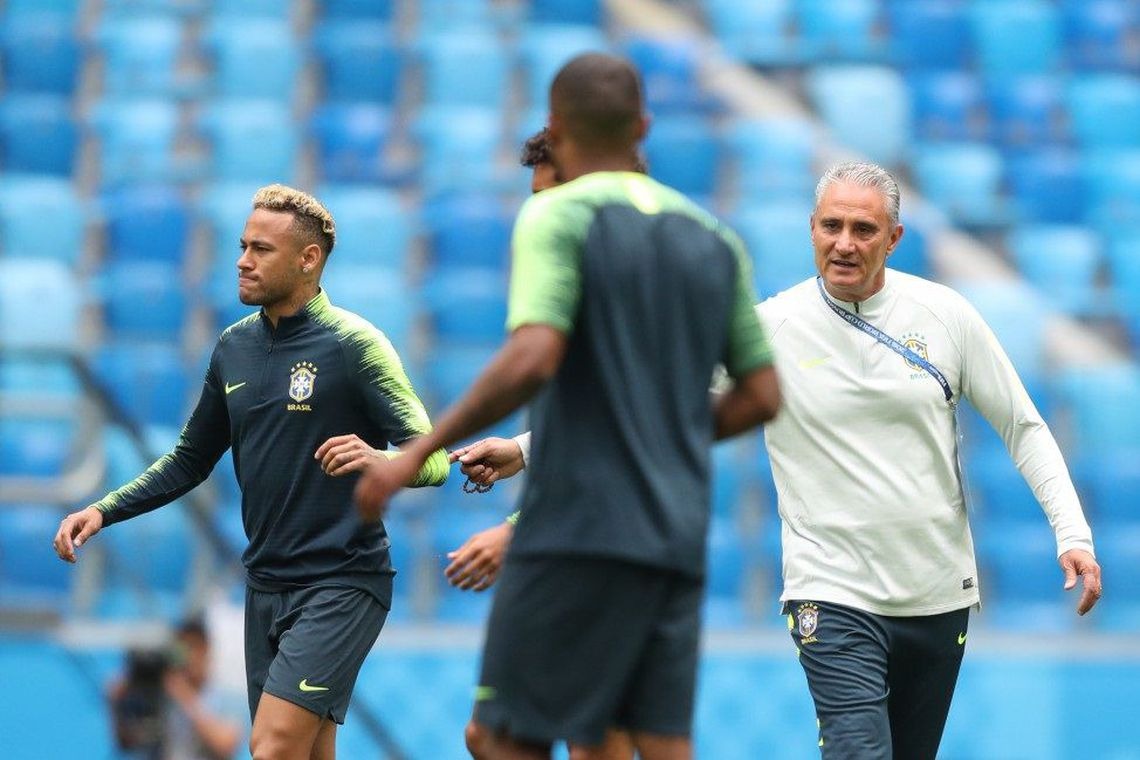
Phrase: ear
(896, 236)
(311, 258)
(641, 130)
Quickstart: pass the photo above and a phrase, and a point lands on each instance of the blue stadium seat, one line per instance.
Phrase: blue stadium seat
(839, 30)
(148, 380)
(36, 447)
(1061, 261)
(1100, 34)
(27, 200)
(140, 55)
(147, 223)
(373, 228)
(469, 230)
(669, 67)
(144, 299)
(379, 295)
(1047, 186)
(964, 179)
(31, 726)
(252, 141)
(1112, 178)
(1016, 37)
(465, 67)
(153, 552)
(352, 142)
(40, 52)
(995, 490)
(1020, 577)
(843, 94)
(137, 141)
(360, 60)
(546, 48)
(467, 305)
(567, 11)
(59, 7)
(912, 254)
(457, 158)
(727, 575)
(435, 15)
(1118, 551)
(30, 576)
(128, 8)
(40, 302)
(1017, 315)
(928, 34)
(38, 135)
(225, 11)
(773, 158)
(269, 42)
(756, 33)
(39, 376)
(1105, 110)
(358, 10)
(1123, 254)
(948, 105)
(685, 153)
(1027, 112)
(451, 370)
(776, 237)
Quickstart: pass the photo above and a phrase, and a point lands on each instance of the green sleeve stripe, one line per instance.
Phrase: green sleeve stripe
(513, 517)
(434, 472)
(546, 277)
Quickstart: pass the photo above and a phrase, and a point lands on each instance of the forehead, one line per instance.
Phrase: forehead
(847, 199)
(265, 223)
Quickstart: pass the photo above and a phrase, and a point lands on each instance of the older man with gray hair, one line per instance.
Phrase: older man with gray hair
(878, 561)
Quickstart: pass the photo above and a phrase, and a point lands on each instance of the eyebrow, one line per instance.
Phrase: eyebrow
(254, 241)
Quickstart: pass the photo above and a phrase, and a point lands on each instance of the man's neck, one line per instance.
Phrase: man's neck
(293, 304)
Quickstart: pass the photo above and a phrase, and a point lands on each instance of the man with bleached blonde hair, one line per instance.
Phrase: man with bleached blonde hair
(283, 387)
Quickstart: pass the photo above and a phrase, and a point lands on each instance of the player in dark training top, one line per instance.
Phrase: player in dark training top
(284, 386)
(624, 298)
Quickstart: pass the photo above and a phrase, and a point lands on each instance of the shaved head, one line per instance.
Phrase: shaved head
(597, 98)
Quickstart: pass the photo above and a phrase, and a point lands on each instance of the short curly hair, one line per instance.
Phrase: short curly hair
(536, 150)
(311, 220)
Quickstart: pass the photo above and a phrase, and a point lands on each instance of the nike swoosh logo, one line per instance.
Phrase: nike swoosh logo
(961, 639)
(304, 685)
(231, 388)
(813, 363)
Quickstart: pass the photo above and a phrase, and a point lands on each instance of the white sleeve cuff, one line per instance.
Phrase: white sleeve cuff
(523, 440)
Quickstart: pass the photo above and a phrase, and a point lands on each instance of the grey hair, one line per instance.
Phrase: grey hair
(863, 174)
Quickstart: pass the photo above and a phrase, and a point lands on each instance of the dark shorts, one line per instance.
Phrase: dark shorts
(307, 645)
(881, 685)
(576, 645)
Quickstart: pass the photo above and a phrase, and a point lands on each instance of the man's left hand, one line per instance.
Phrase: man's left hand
(1079, 562)
(343, 454)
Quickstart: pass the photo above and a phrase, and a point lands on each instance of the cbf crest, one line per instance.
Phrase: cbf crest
(302, 379)
(807, 620)
(917, 344)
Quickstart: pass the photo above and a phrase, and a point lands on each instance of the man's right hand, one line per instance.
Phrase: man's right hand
(488, 460)
(74, 531)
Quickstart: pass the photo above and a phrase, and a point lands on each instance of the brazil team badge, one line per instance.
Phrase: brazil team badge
(807, 618)
(302, 378)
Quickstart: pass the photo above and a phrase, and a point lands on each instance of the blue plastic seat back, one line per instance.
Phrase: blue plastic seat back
(380, 296)
(669, 71)
(1112, 178)
(40, 305)
(1048, 186)
(964, 179)
(144, 299)
(1061, 261)
(360, 60)
(40, 52)
(352, 142)
(1105, 110)
(140, 54)
(1016, 37)
(147, 223)
(454, 158)
(38, 135)
(928, 34)
(1028, 112)
(948, 105)
(757, 33)
(1100, 34)
(684, 152)
(839, 30)
(147, 379)
(35, 447)
(27, 571)
(465, 67)
(567, 11)
(373, 227)
(359, 10)
(546, 48)
(776, 236)
(467, 305)
(255, 141)
(257, 58)
(842, 95)
(773, 158)
(137, 140)
(25, 202)
(469, 230)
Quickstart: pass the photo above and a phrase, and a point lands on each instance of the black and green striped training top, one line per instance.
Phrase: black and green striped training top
(274, 396)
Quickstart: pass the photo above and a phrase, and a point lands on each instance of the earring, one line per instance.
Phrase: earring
(305, 270)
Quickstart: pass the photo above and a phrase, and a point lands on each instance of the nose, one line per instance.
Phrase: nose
(845, 241)
(244, 262)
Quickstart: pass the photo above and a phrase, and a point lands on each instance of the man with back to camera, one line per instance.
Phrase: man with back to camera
(624, 297)
(878, 562)
(282, 386)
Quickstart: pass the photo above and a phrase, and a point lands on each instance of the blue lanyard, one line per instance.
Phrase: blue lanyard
(856, 321)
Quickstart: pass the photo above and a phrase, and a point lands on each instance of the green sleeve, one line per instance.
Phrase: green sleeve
(748, 346)
(389, 399)
(546, 261)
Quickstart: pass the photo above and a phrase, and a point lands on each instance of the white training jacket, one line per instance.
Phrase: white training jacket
(864, 449)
